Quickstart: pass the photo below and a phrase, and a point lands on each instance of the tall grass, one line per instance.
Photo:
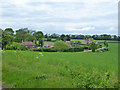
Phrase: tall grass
(27, 69)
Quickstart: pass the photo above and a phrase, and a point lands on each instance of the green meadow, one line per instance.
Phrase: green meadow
(29, 69)
(96, 40)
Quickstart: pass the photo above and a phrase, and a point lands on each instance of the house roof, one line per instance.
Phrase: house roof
(28, 43)
(89, 41)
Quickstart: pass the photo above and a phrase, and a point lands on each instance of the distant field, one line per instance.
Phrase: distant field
(48, 43)
(27, 69)
(95, 40)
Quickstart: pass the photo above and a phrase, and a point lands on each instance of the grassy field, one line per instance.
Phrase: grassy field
(94, 40)
(48, 43)
(27, 69)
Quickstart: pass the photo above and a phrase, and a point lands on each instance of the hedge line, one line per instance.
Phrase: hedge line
(72, 49)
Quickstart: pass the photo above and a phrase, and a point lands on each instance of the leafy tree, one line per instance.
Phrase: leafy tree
(21, 35)
(38, 35)
(24, 34)
(105, 43)
(6, 39)
(48, 39)
(67, 37)
(62, 37)
(93, 46)
(40, 42)
(46, 35)
(61, 46)
(30, 38)
(9, 31)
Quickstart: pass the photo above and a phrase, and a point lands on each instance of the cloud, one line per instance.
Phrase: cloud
(60, 16)
(81, 29)
(111, 28)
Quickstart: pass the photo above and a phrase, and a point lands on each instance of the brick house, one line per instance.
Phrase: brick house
(29, 45)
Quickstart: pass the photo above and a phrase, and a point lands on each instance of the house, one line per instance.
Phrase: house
(88, 41)
(29, 45)
(68, 42)
(72, 43)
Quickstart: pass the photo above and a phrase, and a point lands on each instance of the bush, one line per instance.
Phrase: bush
(49, 50)
(75, 49)
(106, 49)
(45, 50)
(93, 46)
(100, 46)
(61, 46)
(22, 47)
(48, 39)
(102, 50)
(78, 48)
(86, 47)
(15, 46)
(69, 50)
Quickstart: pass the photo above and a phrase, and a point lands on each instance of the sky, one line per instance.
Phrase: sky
(61, 16)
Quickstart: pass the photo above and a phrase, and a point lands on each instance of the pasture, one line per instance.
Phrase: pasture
(28, 69)
(113, 41)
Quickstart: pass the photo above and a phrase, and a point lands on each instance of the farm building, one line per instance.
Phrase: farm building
(88, 41)
(29, 45)
(70, 43)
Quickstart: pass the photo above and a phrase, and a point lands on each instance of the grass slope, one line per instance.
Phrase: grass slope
(27, 69)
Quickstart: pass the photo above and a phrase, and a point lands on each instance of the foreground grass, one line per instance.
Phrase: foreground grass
(25, 69)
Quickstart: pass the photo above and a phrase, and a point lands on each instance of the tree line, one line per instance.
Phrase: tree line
(8, 36)
(96, 37)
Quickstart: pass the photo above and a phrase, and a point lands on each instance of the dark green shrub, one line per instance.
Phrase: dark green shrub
(105, 43)
(100, 46)
(48, 39)
(93, 46)
(49, 50)
(102, 50)
(86, 47)
(78, 48)
(22, 47)
(106, 49)
(69, 50)
(61, 46)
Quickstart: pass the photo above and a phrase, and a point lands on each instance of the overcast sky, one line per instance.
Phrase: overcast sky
(61, 16)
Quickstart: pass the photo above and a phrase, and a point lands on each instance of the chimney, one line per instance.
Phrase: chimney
(34, 41)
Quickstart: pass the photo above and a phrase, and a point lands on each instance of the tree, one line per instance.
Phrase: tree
(9, 31)
(105, 43)
(67, 37)
(61, 46)
(1, 38)
(24, 34)
(21, 34)
(48, 39)
(30, 38)
(38, 35)
(93, 46)
(62, 37)
(40, 42)
(6, 39)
